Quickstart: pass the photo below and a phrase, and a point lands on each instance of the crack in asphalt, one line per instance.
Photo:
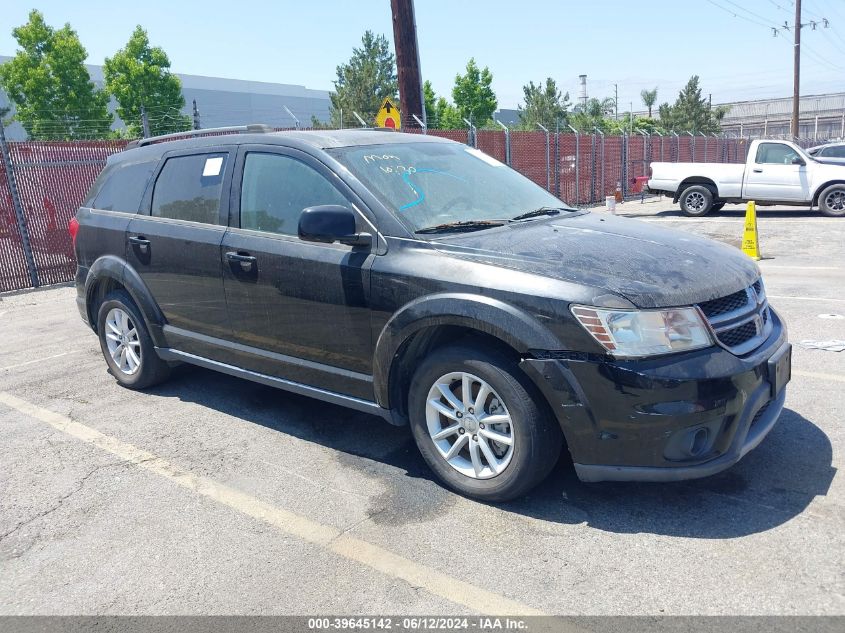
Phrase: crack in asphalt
(58, 504)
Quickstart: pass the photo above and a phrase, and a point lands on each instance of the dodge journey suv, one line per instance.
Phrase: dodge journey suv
(421, 280)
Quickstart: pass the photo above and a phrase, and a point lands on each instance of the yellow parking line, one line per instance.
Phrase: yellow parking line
(817, 374)
(325, 536)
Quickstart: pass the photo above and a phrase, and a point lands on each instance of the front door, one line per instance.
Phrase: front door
(774, 177)
(175, 246)
(301, 308)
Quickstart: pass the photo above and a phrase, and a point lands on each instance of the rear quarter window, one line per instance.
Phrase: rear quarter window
(121, 187)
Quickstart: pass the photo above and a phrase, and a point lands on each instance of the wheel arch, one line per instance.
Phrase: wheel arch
(109, 273)
(817, 194)
(430, 322)
(697, 180)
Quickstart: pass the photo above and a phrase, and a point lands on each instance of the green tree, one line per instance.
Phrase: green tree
(544, 105)
(365, 80)
(448, 117)
(47, 80)
(649, 98)
(139, 75)
(473, 94)
(430, 104)
(690, 112)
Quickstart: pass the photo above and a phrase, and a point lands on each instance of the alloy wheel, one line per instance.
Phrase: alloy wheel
(122, 341)
(695, 201)
(469, 425)
(835, 200)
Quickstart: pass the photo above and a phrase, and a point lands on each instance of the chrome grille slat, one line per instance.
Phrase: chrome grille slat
(740, 320)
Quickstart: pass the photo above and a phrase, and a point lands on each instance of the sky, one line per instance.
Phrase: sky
(634, 44)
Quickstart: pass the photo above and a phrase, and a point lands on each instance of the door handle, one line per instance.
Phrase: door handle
(246, 261)
(141, 242)
(758, 171)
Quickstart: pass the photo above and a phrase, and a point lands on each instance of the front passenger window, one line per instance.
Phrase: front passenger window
(277, 188)
(776, 154)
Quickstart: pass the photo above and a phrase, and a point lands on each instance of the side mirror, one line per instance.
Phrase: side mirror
(798, 161)
(331, 223)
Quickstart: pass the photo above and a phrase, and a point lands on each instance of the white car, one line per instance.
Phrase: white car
(829, 153)
(776, 172)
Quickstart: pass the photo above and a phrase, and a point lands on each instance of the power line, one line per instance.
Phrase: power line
(741, 17)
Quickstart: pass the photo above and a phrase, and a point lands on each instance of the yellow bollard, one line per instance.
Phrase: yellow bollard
(750, 245)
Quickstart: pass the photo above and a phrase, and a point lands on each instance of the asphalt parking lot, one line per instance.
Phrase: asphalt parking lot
(212, 495)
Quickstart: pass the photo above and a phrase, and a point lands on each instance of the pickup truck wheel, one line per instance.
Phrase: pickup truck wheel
(478, 425)
(696, 200)
(127, 347)
(832, 201)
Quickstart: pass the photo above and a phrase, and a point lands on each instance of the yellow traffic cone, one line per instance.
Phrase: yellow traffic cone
(750, 245)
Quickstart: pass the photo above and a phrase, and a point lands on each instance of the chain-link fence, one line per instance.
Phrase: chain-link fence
(52, 179)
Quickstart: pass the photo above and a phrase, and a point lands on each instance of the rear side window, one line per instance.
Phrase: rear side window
(775, 154)
(188, 188)
(835, 151)
(121, 187)
(277, 188)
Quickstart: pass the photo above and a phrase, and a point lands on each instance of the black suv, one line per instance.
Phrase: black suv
(421, 280)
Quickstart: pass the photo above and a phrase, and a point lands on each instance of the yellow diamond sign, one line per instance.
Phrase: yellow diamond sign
(388, 115)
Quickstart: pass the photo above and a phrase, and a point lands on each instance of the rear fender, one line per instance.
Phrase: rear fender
(116, 269)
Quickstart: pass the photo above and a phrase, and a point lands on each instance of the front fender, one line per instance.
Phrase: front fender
(115, 268)
(510, 325)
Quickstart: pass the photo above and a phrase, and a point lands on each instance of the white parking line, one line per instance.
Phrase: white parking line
(766, 266)
(790, 297)
(816, 374)
(319, 534)
(41, 360)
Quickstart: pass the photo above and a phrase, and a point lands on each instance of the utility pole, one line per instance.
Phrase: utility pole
(796, 82)
(407, 62)
(145, 122)
(196, 113)
(616, 100)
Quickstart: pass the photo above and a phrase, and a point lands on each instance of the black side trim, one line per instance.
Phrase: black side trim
(168, 354)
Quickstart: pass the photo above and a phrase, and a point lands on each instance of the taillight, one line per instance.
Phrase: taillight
(73, 229)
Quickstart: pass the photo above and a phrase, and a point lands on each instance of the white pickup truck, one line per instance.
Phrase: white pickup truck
(776, 172)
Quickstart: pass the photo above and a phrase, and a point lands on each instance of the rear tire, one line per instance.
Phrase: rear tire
(126, 344)
(491, 460)
(832, 201)
(717, 206)
(696, 201)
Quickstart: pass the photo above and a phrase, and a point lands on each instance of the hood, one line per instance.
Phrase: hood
(650, 266)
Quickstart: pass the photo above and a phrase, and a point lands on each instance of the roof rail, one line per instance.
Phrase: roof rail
(252, 128)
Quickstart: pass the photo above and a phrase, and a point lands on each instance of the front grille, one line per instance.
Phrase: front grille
(738, 335)
(741, 320)
(724, 304)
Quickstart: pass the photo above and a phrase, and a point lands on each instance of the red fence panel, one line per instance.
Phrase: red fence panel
(492, 142)
(528, 156)
(13, 270)
(52, 179)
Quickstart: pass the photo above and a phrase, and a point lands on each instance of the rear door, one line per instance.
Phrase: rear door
(175, 245)
(301, 308)
(772, 176)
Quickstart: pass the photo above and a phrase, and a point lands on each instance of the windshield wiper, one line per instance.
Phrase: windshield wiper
(466, 225)
(541, 211)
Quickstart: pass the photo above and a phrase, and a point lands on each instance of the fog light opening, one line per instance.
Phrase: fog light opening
(698, 442)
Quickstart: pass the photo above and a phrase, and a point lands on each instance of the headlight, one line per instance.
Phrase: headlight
(626, 333)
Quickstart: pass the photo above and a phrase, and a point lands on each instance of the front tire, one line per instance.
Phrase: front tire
(126, 344)
(479, 426)
(696, 201)
(832, 201)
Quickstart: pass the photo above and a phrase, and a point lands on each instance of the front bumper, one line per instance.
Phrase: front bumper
(664, 419)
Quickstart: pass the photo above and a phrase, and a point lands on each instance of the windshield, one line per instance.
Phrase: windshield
(433, 184)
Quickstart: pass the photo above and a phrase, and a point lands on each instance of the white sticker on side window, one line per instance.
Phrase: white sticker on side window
(485, 157)
(212, 166)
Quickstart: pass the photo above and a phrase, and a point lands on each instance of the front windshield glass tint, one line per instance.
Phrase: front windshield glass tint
(428, 184)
